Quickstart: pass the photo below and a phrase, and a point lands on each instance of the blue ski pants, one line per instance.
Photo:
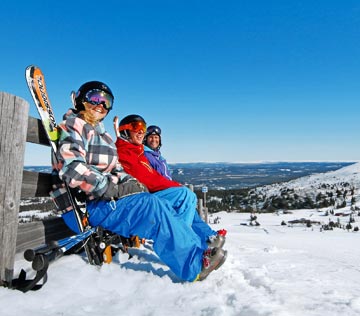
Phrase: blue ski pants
(184, 202)
(150, 217)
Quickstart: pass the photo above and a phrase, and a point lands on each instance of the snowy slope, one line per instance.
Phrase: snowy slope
(340, 189)
(350, 174)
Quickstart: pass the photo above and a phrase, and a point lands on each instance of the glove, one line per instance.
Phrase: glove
(130, 186)
(126, 187)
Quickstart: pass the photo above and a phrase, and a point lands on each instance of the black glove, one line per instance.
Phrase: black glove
(126, 187)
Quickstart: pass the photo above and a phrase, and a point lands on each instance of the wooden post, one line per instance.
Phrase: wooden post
(204, 189)
(13, 127)
(206, 217)
(201, 208)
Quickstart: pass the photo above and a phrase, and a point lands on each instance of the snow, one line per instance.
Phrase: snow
(271, 270)
(26, 215)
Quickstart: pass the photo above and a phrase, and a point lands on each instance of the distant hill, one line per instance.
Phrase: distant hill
(219, 176)
(336, 191)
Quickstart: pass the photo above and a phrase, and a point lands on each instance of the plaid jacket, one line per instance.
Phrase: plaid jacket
(87, 158)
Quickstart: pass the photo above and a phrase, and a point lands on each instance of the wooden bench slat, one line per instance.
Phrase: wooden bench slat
(35, 184)
(36, 133)
(34, 234)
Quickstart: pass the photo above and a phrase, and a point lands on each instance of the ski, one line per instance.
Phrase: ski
(36, 83)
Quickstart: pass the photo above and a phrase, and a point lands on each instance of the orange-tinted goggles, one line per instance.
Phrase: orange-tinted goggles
(134, 127)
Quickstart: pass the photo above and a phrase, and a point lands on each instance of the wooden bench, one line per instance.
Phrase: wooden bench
(17, 128)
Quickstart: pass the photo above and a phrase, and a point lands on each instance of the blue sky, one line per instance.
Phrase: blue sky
(232, 81)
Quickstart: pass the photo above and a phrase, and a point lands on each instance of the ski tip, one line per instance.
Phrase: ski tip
(72, 97)
(30, 67)
(29, 70)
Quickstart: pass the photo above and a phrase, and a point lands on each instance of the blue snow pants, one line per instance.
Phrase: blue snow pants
(147, 216)
(184, 202)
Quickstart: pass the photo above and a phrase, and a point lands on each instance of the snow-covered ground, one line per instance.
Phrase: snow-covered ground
(271, 270)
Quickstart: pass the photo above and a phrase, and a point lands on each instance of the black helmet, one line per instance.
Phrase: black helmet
(131, 122)
(89, 86)
(153, 130)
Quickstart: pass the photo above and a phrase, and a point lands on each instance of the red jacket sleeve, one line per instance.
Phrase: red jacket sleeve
(136, 164)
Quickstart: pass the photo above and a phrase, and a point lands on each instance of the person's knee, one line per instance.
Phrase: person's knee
(152, 203)
(191, 195)
(187, 192)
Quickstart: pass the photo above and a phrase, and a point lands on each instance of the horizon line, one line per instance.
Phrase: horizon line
(244, 162)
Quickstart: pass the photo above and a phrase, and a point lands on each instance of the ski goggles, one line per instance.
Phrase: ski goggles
(151, 130)
(134, 127)
(97, 97)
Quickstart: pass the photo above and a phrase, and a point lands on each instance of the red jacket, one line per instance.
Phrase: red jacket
(135, 163)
